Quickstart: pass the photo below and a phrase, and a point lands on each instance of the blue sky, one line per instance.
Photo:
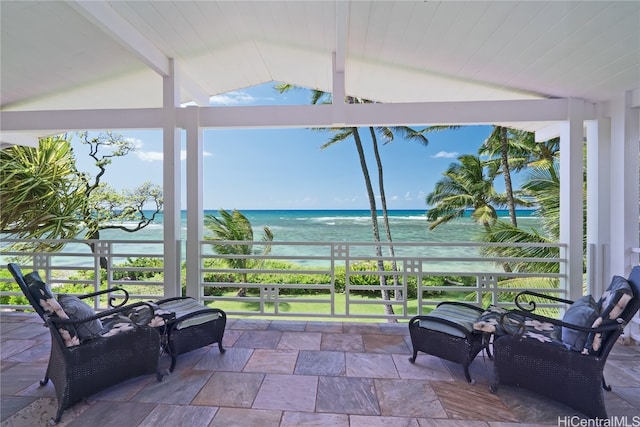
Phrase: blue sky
(286, 169)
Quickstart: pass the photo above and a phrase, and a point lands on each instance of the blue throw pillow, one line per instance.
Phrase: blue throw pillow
(583, 312)
(77, 310)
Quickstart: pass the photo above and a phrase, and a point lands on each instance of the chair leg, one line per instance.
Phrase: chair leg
(605, 385)
(467, 375)
(412, 359)
(222, 350)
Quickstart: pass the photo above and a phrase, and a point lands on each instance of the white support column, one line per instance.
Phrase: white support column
(624, 184)
(598, 204)
(194, 190)
(571, 198)
(171, 183)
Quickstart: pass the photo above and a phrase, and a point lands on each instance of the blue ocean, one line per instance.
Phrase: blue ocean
(343, 225)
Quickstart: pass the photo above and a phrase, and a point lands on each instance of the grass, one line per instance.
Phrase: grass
(297, 307)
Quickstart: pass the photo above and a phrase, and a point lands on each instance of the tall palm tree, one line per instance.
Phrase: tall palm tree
(233, 226)
(388, 134)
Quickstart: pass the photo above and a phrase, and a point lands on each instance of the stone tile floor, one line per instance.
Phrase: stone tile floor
(292, 373)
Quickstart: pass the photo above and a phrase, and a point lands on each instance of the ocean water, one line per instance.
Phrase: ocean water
(343, 226)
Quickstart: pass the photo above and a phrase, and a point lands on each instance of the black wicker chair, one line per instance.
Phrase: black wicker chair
(95, 363)
(447, 332)
(574, 378)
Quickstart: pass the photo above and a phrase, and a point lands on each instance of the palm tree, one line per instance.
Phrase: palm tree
(232, 226)
(389, 134)
(341, 134)
(467, 184)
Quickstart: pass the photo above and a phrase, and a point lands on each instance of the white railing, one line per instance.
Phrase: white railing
(297, 279)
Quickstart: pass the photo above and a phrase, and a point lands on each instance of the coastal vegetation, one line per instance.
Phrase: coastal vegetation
(44, 196)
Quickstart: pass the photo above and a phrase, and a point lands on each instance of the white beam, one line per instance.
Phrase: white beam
(295, 116)
(16, 138)
(56, 121)
(103, 16)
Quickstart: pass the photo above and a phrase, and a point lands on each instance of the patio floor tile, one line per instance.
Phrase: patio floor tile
(272, 361)
(237, 417)
(237, 389)
(287, 392)
(320, 363)
(344, 395)
(371, 365)
(408, 398)
(179, 415)
(300, 341)
(342, 342)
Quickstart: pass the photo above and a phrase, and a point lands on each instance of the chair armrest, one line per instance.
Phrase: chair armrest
(533, 304)
(111, 299)
(58, 320)
(463, 304)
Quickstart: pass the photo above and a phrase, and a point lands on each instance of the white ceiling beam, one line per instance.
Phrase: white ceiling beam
(16, 138)
(297, 116)
(102, 15)
(55, 121)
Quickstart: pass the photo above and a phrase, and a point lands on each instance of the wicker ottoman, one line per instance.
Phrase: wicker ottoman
(189, 325)
(447, 332)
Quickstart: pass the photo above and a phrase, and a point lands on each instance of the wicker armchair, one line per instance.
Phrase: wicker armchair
(571, 374)
(80, 366)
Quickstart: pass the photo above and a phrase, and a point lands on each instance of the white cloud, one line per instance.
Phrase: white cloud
(232, 98)
(153, 156)
(445, 155)
(408, 196)
(137, 143)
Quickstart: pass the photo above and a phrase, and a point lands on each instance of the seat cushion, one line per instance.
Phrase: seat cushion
(458, 314)
(184, 306)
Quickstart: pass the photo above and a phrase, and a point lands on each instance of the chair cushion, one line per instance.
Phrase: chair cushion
(489, 320)
(43, 296)
(182, 307)
(77, 310)
(611, 305)
(458, 314)
(583, 312)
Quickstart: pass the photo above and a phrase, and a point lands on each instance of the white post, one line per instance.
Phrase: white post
(171, 183)
(624, 184)
(571, 198)
(194, 202)
(598, 203)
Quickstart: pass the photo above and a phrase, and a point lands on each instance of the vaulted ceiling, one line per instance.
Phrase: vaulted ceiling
(87, 55)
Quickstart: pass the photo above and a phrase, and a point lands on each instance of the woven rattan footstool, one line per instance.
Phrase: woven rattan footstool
(188, 325)
(447, 332)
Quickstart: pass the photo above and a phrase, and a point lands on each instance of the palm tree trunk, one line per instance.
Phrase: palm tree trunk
(385, 213)
(374, 218)
(504, 145)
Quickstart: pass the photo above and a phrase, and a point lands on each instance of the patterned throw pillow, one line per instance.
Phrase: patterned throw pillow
(43, 296)
(583, 312)
(77, 310)
(611, 305)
